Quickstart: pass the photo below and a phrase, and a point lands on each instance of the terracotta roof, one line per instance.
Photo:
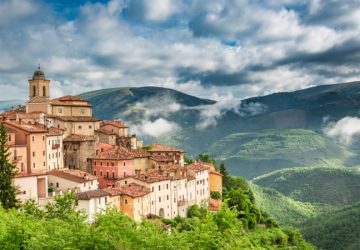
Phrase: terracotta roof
(134, 190)
(74, 118)
(55, 131)
(214, 205)
(162, 158)
(121, 153)
(152, 177)
(79, 138)
(103, 147)
(104, 131)
(30, 128)
(24, 175)
(115, 123)
(73, 175)
(9, 130)
(200, 166)
(156, 147)
(70, 98)
(113, 191)
(88, 195)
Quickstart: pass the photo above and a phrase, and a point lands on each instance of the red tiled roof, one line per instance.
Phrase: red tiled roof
(156, 147)
(55, 131)
(30, 128)
(79, 138)
(214, 205)
(70, 98)
(200, 166)
(121, 153)
(162, 158)
(88, 195)
(115, 123)
(134, 190)
(113, 191)
(73, 175)
(103, 147)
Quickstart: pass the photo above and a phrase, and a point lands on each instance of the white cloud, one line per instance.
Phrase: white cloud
(155, 128)
(210, 114)
(344, 130)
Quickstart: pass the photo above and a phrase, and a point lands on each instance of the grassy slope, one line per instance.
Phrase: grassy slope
(338, 230)
(255, 154)
(285, 210)
(332, 186)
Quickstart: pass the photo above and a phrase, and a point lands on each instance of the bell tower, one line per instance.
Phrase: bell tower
(39, 86)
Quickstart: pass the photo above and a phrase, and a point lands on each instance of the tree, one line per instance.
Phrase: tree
(206, 158)
(226, 176)
(8, 172)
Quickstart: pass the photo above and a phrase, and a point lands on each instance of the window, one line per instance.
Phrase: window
(125, 201)
(44, 164)
(167, 197)
(152, 189)
(57, 184)
(112, 163)
(79, 126)
(159, 199)
(167, 186)
(43, 138)
(113, 175)
(34, 91)
(159, 187)
(125, 182)
(82, 111)
(105, 199)
(107, 174)
(22, 167)
(100, 173)
(124, 163)
(59, 110)
(44, 91)
(9, 137)
(85, 184)
(33, 154)
(33, 138)
(95, 173)
(90, 127)
(107, 163)
(43, 152)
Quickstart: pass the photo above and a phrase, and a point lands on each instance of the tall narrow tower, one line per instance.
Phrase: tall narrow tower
(39, 93)
(39, 85)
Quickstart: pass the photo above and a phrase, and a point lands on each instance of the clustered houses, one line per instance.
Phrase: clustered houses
(59, 146)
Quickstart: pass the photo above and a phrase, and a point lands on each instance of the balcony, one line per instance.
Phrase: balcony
(16, 159)
(56, 146)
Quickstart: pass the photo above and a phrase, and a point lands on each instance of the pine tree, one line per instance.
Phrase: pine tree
(7, 173)
(226, 176)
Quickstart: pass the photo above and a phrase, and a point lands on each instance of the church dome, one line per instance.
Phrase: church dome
(38, 74)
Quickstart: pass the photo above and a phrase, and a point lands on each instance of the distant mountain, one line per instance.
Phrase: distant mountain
(145, 103)
(257, 153)
(234, 137)
(7, 105)
(331, 186)
(337, 230)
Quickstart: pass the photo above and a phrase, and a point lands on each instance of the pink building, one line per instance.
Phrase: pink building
(112, 165)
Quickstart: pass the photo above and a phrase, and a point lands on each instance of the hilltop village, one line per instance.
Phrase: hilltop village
(59, 146)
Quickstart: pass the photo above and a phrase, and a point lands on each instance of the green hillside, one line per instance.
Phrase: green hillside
(332, 186)
(254, 154)
(286, 211)
(138, 104)
(337, 230)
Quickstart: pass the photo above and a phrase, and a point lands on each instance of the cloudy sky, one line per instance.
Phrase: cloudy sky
(238, 47)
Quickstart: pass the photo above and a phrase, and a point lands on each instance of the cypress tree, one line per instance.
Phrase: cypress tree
(226, 176)
(8, 172)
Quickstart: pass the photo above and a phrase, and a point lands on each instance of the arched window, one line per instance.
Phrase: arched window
(34, 91)
(44, 91)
